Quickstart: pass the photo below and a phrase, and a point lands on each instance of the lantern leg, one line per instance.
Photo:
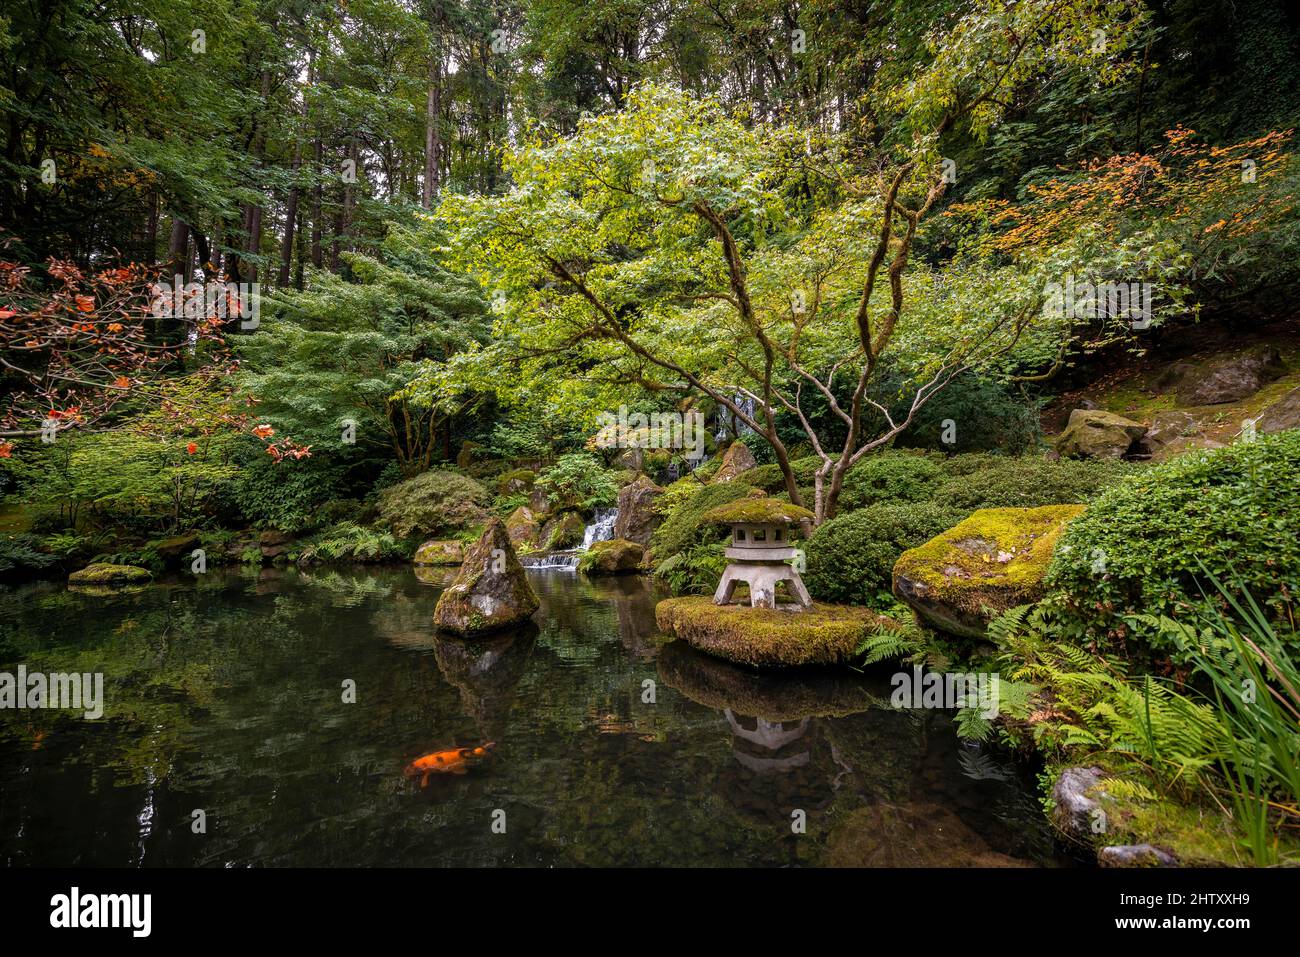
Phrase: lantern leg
(800, 592)
(726, 587)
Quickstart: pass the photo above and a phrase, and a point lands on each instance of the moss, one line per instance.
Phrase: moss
(1198, 835)
(435, 552)
(757, 511)
(823, 634)
(683, 527)
(614, 557)
(996, 558)
(516, 480)
(102, 573)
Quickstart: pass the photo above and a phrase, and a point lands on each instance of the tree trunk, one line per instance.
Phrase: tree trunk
(432, 133)
(178, 250)
(290, 220)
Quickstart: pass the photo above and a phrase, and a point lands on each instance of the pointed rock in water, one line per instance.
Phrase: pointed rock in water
(491, 591)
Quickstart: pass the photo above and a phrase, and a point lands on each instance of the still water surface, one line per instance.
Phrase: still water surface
(225, 695)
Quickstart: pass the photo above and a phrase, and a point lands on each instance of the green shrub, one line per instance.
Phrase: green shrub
(890, 477)
(682, 529)
(769, 477)
(851, 558)
(578, 481)
(432, 502)
(1139, 546)
(1026, 482)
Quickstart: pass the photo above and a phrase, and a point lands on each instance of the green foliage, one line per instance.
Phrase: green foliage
(986, 417)
(433, 502)
(141, 476)
(1256, 690)
(1237, 744)
(901, 643)
(22, 555)
(695, 571)
(851, 558)
(890, 477)
(682, 528)
(578, 480)
(1139, 547)
(348, 541)
(286, 494)
(1026, 482)
(347, 349)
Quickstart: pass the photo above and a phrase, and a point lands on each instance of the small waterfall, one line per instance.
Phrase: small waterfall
(602, 529)
(566, 560)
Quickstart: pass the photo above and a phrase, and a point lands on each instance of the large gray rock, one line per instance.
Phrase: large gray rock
(735, 460)
(1281, 415)
(1075, 812)
(491, 592)
(1135, 855)
(1094, 434)
(1167, 426)
(637, 518)
(1225, 378)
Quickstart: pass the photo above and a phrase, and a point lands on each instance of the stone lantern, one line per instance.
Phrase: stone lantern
(760, 550)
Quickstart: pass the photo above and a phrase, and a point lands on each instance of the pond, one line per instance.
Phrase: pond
(225, 695)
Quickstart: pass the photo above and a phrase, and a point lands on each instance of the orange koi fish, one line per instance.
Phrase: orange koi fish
(452, 761)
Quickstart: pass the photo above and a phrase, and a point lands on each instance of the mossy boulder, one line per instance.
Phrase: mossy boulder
(735, 460)
(820, 635)
(614, 557)
(175, 550)
(563, 531)
(993, 560)
(103, 575)
(1094, 434)
(637, 515)
(523, 527)
(491, 592)
(440, 552)
(516, 482)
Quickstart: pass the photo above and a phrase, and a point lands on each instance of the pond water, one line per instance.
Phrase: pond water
(225, 695)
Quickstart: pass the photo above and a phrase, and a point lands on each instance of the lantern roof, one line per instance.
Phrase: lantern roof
(757, 511)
